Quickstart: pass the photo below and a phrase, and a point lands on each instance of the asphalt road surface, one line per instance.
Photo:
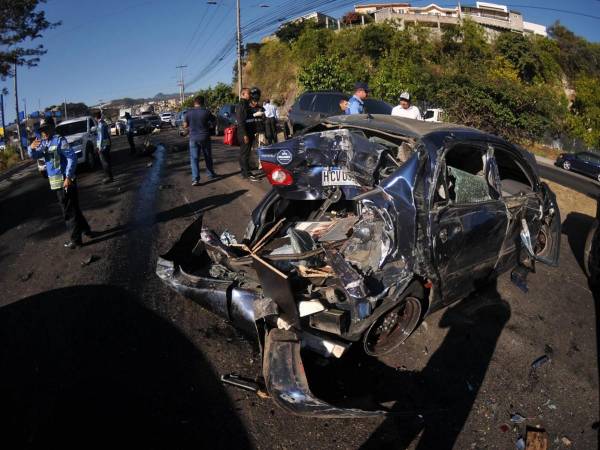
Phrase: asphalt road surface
(96, 353)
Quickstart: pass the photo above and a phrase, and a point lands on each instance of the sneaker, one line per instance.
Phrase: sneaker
(212, 176)
(253, 178)
(89, 233)
(196, 183)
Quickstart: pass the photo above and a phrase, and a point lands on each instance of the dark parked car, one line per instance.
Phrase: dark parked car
(312, 107)
(154, 121)
(225, 117)
(373, 223)
(140, 126)
(587, 163)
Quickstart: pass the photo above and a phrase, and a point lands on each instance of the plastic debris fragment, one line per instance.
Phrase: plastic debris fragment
(539, 362)
(517, 418)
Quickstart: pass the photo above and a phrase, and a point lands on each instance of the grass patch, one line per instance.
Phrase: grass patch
(8, 158)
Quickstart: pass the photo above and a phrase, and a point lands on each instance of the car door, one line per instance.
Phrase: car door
(468, 220)
(579, 163)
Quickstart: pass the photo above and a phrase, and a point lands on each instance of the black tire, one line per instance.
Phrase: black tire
(396, 325)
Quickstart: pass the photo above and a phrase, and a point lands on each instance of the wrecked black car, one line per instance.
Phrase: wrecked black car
(373, 222)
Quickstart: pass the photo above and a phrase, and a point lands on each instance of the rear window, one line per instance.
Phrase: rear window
(67, 129)
(373, 106)
(305, 102)
(328, 103)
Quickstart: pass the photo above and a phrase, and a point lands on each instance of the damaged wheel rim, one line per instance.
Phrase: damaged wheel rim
(393, 328)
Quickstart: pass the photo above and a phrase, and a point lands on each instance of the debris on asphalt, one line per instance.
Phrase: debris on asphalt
(517, 418)
(536, 438)
(27, 276)
(247, 384)
(228, 238)
(539, 362)
(88, 260)
(504, 427)
(520, 444)
(565, 440)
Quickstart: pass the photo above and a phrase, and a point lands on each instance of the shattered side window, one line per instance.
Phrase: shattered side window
(464, 187)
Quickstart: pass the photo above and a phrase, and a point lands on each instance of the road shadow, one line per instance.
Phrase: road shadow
(199, 206)
(576, 227)
(443, 393)
(90, 367)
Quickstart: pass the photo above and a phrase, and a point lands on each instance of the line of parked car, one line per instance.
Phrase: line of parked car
(586, 163)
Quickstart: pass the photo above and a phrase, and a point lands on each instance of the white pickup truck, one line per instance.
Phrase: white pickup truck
(81, 136)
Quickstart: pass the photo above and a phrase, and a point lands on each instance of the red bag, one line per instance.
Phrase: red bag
(230, 136)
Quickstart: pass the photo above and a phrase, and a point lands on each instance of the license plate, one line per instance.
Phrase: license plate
(337, 177)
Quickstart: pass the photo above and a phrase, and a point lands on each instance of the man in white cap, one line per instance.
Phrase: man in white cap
(405, 109)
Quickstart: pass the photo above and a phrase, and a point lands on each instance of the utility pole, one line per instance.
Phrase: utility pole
(181, 84)
(2, 118)
(239, 49)
(25, 108)
(17, 111)
(66, 116)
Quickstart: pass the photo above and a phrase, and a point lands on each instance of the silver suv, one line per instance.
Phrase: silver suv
(80, 133)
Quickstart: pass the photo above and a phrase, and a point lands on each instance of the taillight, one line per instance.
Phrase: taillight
(277, 175)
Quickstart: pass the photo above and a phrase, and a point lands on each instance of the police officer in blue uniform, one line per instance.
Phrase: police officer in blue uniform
(129, 132)
(61, 162)
(103, 143)
(356, 103)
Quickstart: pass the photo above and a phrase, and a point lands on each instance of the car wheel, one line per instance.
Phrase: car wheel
(396, 325)
(566, 165)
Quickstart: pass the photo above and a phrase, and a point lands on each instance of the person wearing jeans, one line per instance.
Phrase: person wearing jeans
(197, 121)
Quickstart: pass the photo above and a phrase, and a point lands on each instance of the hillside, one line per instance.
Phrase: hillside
(526, 88)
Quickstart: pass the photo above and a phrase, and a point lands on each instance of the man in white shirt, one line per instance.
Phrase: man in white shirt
(271, 116)
(405, 109)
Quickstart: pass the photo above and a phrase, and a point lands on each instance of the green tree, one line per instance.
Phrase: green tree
(376, 40)
(20, 22)
(291, 31)
(576, 55)
(324, 74)
(584, 122)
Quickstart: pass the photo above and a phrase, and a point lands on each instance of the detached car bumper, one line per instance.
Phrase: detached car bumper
(283, 369)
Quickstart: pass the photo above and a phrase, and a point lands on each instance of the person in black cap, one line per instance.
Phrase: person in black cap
(356, 103)
(61, 163)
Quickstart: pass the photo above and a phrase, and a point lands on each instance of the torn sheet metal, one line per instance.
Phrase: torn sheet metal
(286, 381)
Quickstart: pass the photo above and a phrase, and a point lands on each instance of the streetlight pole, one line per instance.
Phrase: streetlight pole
(17, 111)
(239, 49)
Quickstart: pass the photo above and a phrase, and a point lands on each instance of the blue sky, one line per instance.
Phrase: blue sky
(129, 48)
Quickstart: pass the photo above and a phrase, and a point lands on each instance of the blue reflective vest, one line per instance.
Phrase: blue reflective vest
(355, 105)
(102, 135)
(61, 160)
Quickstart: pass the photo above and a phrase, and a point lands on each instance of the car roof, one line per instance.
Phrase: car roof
(76, 119)
(397, 125)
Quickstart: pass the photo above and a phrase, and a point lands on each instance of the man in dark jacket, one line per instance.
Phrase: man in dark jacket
(246, 131)
(197, 120)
